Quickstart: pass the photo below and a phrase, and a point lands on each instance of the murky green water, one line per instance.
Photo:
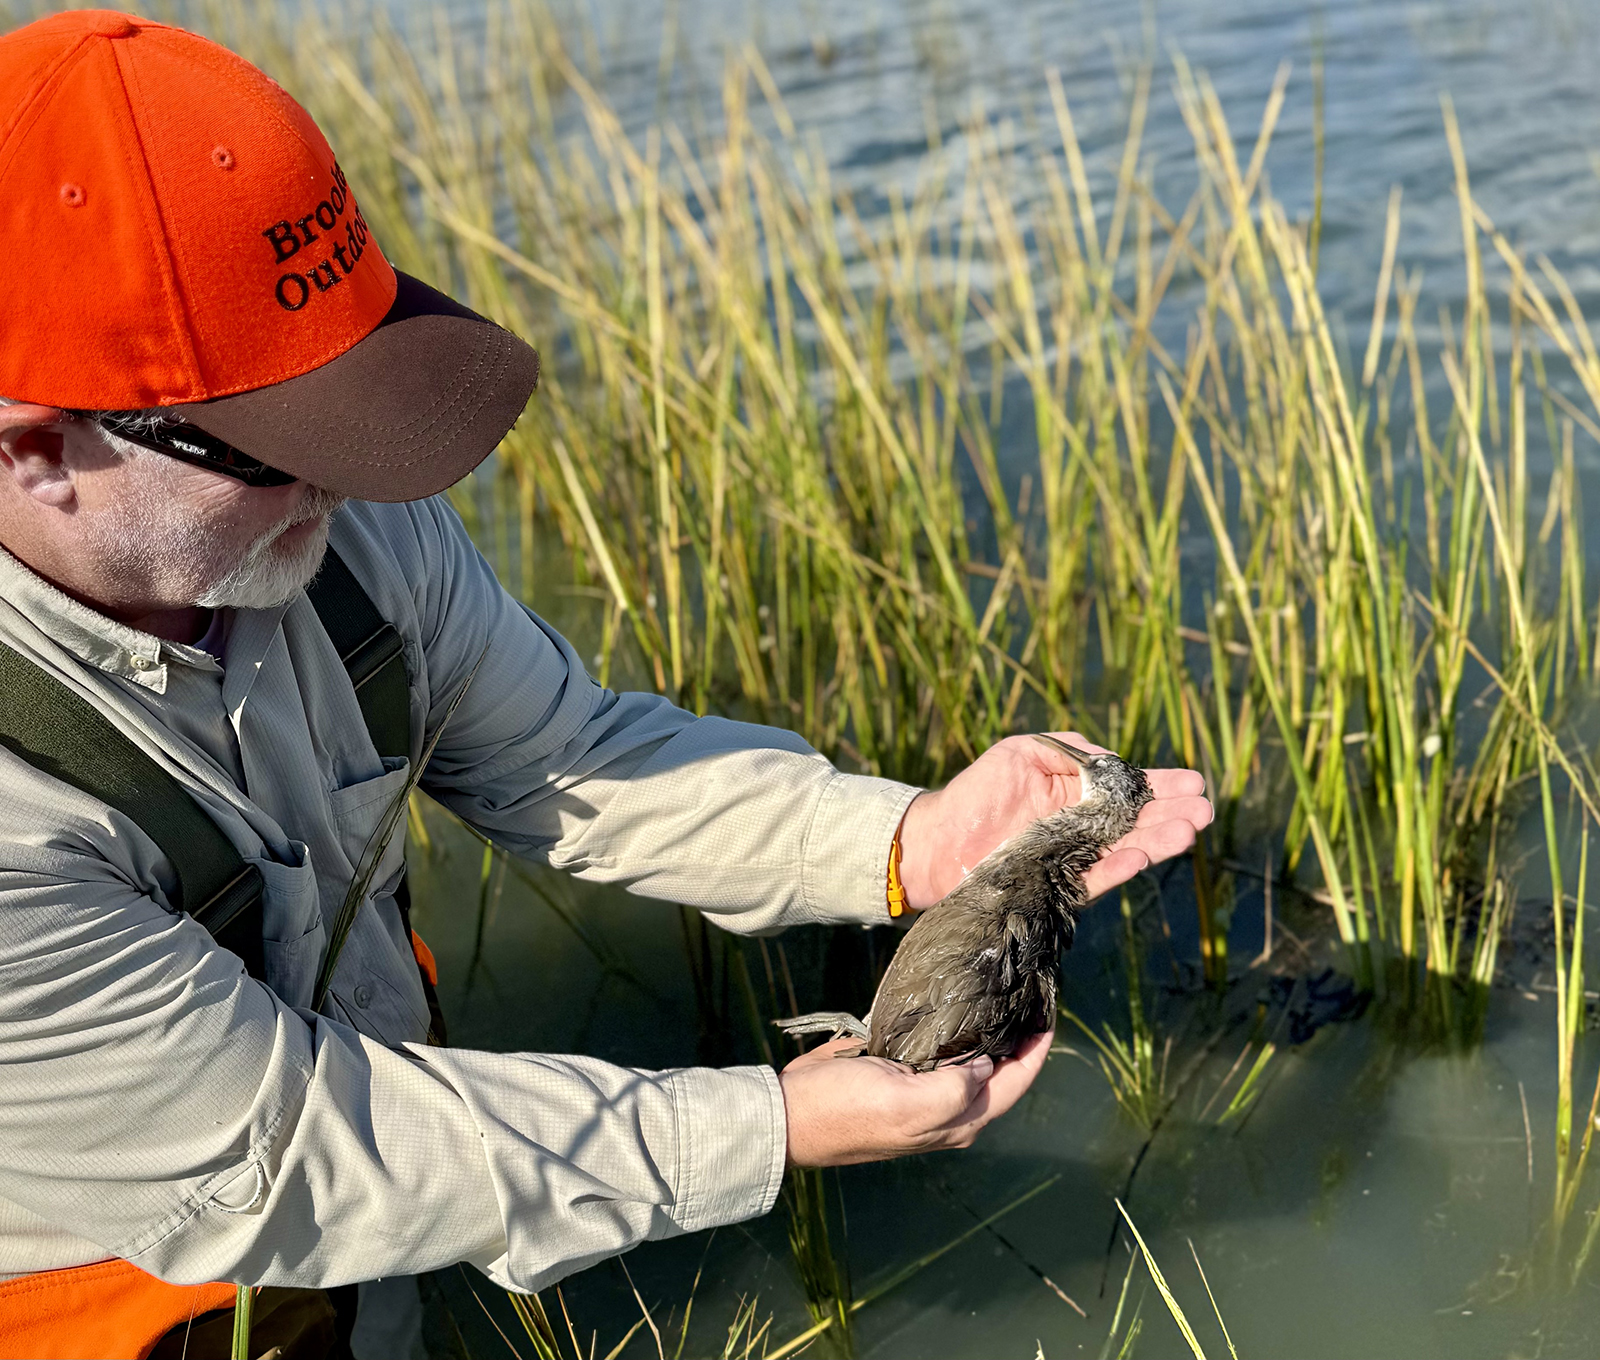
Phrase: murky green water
(1376, 1200)
(1387, 1194)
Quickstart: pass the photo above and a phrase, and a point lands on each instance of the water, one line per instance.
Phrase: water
(1385, 1196)
(1377, 1200)
(1521, 76)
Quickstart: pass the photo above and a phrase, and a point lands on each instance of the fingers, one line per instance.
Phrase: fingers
(1115, 869)
(1162, 841)
(1167, 825)
(1176, 783)
(1165, 829)
(945, 1096)
(1166, 783)
(1010, 1082)
(1138, 850)
(852, 1109)
(846, 1110)
(1016, 1074)
(1197, 811)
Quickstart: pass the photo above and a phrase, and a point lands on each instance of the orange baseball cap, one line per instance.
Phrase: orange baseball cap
(177, 232)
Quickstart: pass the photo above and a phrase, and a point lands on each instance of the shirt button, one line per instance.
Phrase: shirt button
(363, 997)
(143, 663)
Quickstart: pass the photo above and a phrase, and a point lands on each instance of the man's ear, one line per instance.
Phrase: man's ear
(32, 444)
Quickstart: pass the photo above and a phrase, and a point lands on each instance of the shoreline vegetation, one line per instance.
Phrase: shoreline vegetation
(1029, 447)
(767, 440)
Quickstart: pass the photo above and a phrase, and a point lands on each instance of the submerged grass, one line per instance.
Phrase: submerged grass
(823, 1267)
(1135, 1067)
(912, 1268)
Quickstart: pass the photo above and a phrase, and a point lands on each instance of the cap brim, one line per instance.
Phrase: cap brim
(405, 412)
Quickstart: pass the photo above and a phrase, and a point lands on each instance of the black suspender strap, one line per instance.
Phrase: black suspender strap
(63, 735)
(374, 656)
(372, 652)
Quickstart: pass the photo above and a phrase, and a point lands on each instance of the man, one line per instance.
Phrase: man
(182, 250)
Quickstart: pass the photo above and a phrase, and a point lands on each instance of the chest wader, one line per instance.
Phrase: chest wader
(113, 1308)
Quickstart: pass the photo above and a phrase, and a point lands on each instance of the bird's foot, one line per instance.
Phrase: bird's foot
(834, 1024)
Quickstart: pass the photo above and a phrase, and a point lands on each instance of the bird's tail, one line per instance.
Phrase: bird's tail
(832, 1023)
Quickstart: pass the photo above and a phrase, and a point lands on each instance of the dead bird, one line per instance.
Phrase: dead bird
(978, 971)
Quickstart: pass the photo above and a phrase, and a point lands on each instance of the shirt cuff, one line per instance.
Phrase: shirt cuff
(845, 872)
(587, 1159)
(733, 1144)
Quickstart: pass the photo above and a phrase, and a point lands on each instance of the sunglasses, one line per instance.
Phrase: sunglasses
(188, 444)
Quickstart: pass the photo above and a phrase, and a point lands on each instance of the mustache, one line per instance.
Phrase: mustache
(317, 503)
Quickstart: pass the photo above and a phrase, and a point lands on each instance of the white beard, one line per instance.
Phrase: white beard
(156, 541)
(270, 574)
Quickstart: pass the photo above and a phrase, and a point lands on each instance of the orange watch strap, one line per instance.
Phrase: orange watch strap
(897, 890)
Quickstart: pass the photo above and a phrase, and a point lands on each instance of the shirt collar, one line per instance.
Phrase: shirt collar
(92, 637)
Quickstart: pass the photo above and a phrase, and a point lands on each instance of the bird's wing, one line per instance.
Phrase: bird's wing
(965, 973)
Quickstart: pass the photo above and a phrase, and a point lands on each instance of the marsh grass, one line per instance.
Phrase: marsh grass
(549, 1340)
(1135, 1066)
(769, 439)
(1123, 1338)
(244, 1307)
(823, 1266)
(1167, 1297)
(909, 1270)
(814, 1218)
(1250, 1088)
(1327, 574)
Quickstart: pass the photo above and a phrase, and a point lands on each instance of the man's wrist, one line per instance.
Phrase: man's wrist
(915, 839)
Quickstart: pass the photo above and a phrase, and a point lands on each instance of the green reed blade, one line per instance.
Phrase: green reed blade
(378, 842)
(244, 1303)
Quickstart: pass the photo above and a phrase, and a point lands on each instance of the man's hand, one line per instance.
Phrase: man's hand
(847, 1110)
(1016, 782)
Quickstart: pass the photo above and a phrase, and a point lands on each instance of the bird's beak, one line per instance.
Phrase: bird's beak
(1082, 757)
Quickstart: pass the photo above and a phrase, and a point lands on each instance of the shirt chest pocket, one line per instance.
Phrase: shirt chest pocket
(362, 813)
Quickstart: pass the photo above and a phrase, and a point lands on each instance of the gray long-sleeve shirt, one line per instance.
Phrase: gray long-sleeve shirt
(158, 1104)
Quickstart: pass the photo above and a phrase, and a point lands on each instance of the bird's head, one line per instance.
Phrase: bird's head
(1104, 774)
